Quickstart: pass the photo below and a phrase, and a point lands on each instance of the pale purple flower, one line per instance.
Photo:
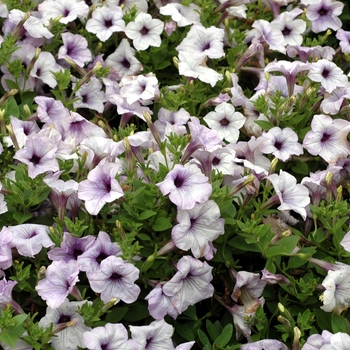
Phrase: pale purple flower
(194, 66)
(91, 96)
(160, 304)
(68, 336)
(36, 28)
(344, 38)
(5, 248)
(100, 187)
(305, 52)
(226, 121)
(29, 239)
(328, 138)
(281, 143)
(345, 242)
(186, 186)
(142, 87)
(115, 279)
(332, 103)
(59, 282)
(123, 60)
(128, 5)
(6, 292)
(201, 41)
(181, 14)
(75, 47)
(328, 74)
(113, 336)
(291, 195)
(69, 9)
(272, 278)
(105, 21)
(290, 27)
(270, 344)
(289, 70)
(190, 284)
(327, 341)
(156, 336)
(3, 205)
(197, 227)
(39, 155)
(324, 14)
(44, 67)
(336, 295)
(71, 247)
(101, 249)
(144, 31)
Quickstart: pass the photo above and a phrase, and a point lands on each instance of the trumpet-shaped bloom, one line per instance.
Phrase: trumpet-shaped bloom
(113, 336)
(60, 280)
(226, 121)
(75, 48)
(5, 248)
(105, 21)
(100, 187)
(344, 38)
(29, 239)
(6, 292)
(270, 344)
(292, 196)
(197, 227)
(156, 336)
(115, 279)
(324, 14)
(144, 31)
(181, 14)
(328, 138)
(186, 186)
(191, 283)
(71, 336)
(327, 341)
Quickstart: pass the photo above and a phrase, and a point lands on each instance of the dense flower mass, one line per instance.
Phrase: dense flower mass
(174, 174)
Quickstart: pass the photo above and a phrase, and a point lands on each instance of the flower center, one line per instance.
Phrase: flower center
(144, 30)
(125, 63)
(325, 73)
(108, 23)
(215, 161)
(278, 145)
(178, 182)
(35, 159)
(115, 276)
(64, 318)
(101, 257)
(286, 31)
(224, 122)
(206, 46)
(322, 11)
(325, 137)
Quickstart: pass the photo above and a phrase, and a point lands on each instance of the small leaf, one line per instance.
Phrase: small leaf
(225, 336)
(146, 214)
(161, 224)
(203, 338)
(284, 247)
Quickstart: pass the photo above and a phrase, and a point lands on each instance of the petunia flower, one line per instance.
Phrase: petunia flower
(100, 187)
(190, 284)
(327, 341)
(144, 31)
(197, 227)
(324, 14)
(281, 143)
(336, 297)
(186, 186)
(105, 21)
(101, 249)
(291, 195)
(153, 337)
(270, 344)
(71, 247)
(29, 239)
(123, 60)
(226, 121)
(5, 248)
(75, 47)
(344, 38)
(181, 14)
(112, 336)
(68, 325)
(91, 96)
(59, 282)
(332, 103)
(201, 41)
(68, 9)
(328, 138)
(115, 279)
(328, 74)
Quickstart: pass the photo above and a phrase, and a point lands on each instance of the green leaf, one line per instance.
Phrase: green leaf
(340, 324)
(146, 214)
(284, 247)
(191, 312)
(162, 224)
(225, 336)
(203, 338)
(11, 335)
(265, 125)
(323, 319)
(214, 329)
(21, 217)
(188, 330)
(136, 313)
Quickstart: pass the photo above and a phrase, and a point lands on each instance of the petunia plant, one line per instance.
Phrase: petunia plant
(174, 174)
